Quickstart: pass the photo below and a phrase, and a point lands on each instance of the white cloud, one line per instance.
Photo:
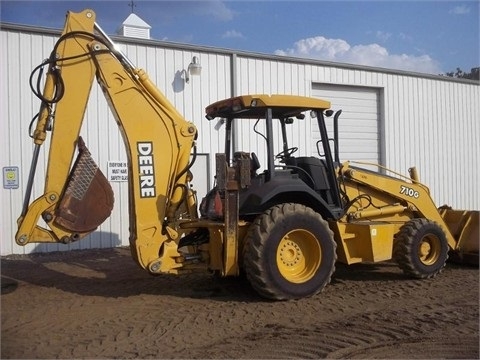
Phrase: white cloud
(339, 50)
(404, 37)
(230, 34)
(383, 36)
(216, 8)
(460, 10)
(317, 47)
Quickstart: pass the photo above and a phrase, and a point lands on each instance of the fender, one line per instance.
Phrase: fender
(259, 197)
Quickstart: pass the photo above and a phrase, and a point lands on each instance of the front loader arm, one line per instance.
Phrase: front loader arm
(157, 138)
(400, 194)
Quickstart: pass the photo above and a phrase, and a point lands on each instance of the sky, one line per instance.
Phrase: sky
(430, 36)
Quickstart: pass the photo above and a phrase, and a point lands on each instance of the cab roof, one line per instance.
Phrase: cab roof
(254, 106)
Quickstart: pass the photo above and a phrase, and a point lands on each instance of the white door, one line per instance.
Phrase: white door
(359, 123)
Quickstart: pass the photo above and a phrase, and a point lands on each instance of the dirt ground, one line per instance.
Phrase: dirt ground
(99, 304)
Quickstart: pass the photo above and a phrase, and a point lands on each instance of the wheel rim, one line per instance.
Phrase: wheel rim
(429, 249)
(298, 256)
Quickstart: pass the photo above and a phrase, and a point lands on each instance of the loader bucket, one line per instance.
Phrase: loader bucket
(463, 225)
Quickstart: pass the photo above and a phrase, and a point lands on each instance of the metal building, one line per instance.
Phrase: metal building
(396, 118)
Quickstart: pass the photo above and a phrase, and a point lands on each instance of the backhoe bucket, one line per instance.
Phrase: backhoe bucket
(464, 226)
(88, 198)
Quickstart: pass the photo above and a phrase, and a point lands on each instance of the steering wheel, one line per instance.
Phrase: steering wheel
(285, 154)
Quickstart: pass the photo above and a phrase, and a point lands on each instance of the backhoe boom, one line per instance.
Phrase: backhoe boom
(157, 138)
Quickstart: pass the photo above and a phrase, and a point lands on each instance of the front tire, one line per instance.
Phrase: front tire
(289, 252)
(421, 248)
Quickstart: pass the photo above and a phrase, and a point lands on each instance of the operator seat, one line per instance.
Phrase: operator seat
(254, 164)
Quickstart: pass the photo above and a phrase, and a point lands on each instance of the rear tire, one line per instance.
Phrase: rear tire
(289, 253)
(421, 248)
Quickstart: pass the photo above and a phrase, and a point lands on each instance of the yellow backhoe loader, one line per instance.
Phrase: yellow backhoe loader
(284, 223)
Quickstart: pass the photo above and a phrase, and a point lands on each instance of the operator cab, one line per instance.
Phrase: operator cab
(286, 177)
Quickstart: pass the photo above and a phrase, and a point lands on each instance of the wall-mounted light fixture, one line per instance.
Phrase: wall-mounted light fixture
(194, 68)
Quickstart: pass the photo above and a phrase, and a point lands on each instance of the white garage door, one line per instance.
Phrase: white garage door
(358, 123)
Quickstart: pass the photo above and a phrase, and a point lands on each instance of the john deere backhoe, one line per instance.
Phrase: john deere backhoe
(284, 227)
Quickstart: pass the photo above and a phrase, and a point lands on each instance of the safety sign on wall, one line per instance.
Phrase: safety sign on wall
(117, 171)
(10, 177)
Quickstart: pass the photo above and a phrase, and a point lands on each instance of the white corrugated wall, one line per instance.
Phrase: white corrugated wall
(429, 122)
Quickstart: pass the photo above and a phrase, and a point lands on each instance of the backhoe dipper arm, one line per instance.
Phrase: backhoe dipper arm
(158, 141)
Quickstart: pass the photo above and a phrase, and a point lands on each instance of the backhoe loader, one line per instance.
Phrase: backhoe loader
(283, 223)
